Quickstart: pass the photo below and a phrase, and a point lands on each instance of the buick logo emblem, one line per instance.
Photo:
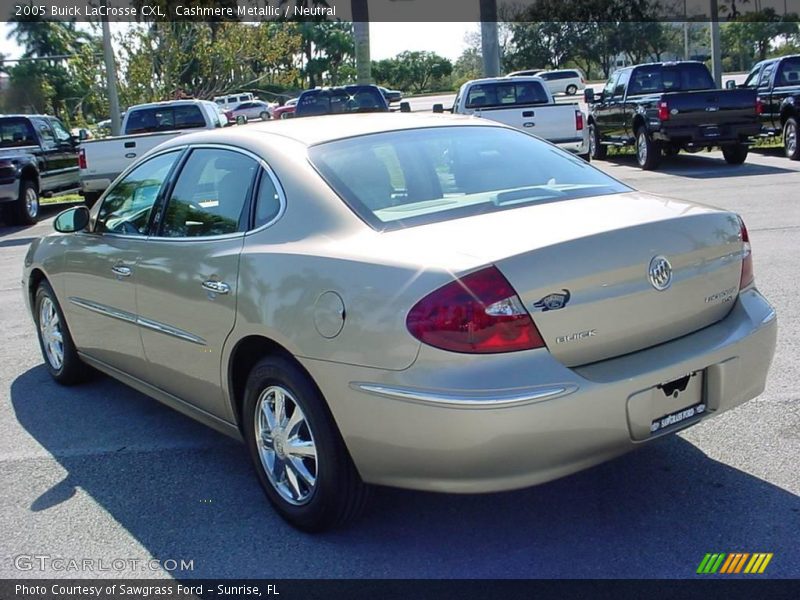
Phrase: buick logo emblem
(660, 273)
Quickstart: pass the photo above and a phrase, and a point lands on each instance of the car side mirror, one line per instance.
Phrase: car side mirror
(730, 84)
(588, 96)
(438, 108)
(405, 107)
(72, 220)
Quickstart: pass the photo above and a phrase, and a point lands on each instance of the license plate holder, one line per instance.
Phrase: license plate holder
(710, 131)
(668, 406)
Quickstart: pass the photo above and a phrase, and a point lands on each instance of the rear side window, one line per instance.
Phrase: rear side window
(165, 118)
(16, 132)
(504, 94)
(405, 178)
(268, 201)
(789, 73)
(210, 194)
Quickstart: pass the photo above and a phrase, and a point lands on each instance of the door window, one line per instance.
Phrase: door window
(752, 78)
(268, 201)
(62, 135)
(766, 75)
(789, 73)
(45, 133)
(622, 81)
(210, 194)
(127, 206)
(608, 90)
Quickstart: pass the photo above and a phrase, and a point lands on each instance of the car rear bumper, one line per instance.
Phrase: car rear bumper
(467, 423)
(695, 135)
(9, 191)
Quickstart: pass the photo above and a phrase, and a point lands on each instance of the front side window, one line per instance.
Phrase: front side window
(608, 90)
(622, 81)
(752, 78)
(62, 135)
(45, 133)
(210, 194)
(127, 206)
(405, 178)
(766, 75)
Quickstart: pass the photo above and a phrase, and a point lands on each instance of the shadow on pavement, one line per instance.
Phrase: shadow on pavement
(700, 166)
(185, 492)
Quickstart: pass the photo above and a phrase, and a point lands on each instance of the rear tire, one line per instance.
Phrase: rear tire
(241, 120)
(735, 154)
(25, 211)
(790, 145)
(300, 458)
(572, 89)
(264, 116)
(58, 350)
(596, 150)
(648, 152)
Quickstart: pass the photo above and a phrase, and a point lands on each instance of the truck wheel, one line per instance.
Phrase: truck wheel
(790, 139)
(264, 115)
(25, 211)
(735, 154)
(648, 153)
(572, 89)
(596, 150)
(90, 198)
(241, 120)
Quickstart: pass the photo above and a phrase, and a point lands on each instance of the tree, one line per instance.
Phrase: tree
(751, 36)
(412, 70)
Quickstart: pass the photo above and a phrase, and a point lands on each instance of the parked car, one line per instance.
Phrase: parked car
(669, 107)
(285, 111)
(777, 85)
(564, 81)
(391, 96)
(231, 101)
(145, 126)
(469, 310)
(257, 109)
(338, 100)
(527, 104)
(38, 156)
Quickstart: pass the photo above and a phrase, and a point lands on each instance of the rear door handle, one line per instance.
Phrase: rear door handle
(121, 271)
(527, 113)
(217, 287)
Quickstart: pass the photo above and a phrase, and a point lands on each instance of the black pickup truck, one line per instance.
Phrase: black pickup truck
(777, 83)
(669, 107)
(38, 157)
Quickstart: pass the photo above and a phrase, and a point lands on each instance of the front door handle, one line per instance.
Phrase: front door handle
(217, 287)
(121, 271)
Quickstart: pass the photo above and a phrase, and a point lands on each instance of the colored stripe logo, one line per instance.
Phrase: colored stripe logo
(732, 563)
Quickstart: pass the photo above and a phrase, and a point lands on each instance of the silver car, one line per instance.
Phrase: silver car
(428, 302)
(255, 109)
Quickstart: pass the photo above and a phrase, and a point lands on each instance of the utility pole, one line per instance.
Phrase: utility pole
(111, 78)
(490, 43)
(685, 32)
(361, 34)
(716, 50)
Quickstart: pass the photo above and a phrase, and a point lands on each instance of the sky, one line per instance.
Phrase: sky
(386, 39)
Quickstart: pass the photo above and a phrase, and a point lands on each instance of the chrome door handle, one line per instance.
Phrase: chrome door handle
(217, 287)
(121, 271)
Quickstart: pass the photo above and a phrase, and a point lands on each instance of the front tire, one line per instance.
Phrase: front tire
(25, 211)
(58, 350)
(648, 153)
(264, 116)
(572, 90)
(596, 150)
(300, 458)
(790, 145)
(735, 154)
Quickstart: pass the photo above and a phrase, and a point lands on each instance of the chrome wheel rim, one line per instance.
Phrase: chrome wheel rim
(52, 335)
(790, 138)
(31, 202)
(641, 148)
(592, 142)
(286, 445)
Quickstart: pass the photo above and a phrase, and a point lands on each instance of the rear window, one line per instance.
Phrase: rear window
(656, 79)
(16, 132)
(165, 118)
(505, 94)
(404, 178)
(330, 102)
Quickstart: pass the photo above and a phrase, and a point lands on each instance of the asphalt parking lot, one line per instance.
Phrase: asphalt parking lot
(101, 471)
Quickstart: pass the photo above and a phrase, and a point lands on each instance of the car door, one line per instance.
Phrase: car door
(66, 156)
(100, 268)
(186, 284)
(786, 87)
(770, 103)
(620, 114)
(48, 170)
(602, 111)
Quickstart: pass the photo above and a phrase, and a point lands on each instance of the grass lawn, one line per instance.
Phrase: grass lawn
(66, 199)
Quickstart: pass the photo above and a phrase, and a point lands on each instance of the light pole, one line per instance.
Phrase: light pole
(111, 78)
(685, 32)
(361, 34)
(490, 44)
(716, 52)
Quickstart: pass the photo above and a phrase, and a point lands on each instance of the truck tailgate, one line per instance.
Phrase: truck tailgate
(552, 122)
(711, 107)
(107, 158)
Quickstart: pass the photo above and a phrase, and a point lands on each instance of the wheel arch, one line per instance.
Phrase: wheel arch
(29, 173)
(788, 110)
(638, 122)
(36, 277)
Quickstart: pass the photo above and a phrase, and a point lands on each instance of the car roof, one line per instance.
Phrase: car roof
(170, 103)
(310, 131)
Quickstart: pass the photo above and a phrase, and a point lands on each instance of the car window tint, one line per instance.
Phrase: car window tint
(62, 135)
(511, 93)
(789, 73)
(268, 201)
(163, 118)
(127, 206)
(622, 81)
(45, 133)
(210, 194)
(16, 132)
(752, 78)
(766, 75)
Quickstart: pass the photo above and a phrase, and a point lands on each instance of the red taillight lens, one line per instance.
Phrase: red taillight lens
(748, 276)
(478, 313)
(578, 120)
(663, 111)
(759, 106)
(81, 158)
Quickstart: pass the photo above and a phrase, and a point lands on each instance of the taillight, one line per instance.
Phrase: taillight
(759, 106)
(82, 159)
(478, 313)
(748, 276)
(578, 120)
(663, 111)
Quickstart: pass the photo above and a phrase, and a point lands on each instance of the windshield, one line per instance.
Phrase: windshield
(657, 79)
(16, 132)
(405, 178)
(327, 102)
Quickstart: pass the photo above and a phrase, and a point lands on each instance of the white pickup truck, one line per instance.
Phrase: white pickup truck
(144, 127)
(527, 104)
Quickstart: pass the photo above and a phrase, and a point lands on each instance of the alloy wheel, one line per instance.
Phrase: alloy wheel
(52, 335)
(31, 202)
(790, 138)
